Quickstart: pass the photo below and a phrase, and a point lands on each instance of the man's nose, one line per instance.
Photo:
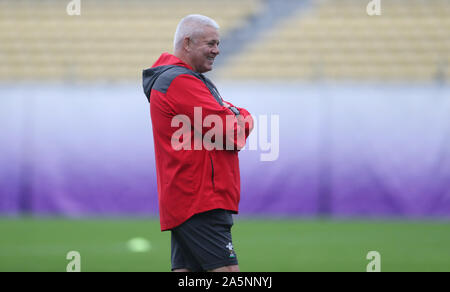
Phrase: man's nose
(216, 50)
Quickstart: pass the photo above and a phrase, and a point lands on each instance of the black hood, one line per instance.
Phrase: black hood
(149, 77)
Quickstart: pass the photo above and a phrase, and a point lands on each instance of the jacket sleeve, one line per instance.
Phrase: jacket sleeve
(189, 96)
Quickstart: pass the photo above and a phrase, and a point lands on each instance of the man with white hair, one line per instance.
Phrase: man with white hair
(198, 186)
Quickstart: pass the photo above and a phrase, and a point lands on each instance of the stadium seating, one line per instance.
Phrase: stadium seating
(326, 39)
(338, 40)
(108, 41)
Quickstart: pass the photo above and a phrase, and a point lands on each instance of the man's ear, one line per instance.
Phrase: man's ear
(187, 44)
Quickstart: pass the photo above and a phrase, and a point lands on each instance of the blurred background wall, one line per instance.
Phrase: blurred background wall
(363, 104)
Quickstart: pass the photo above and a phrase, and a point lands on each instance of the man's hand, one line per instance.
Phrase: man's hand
(226, 104)
(231, 107)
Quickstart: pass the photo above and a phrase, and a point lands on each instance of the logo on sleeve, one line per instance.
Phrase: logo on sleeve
(230, 249)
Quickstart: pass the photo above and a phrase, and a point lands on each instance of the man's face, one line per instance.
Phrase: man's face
(204, 48)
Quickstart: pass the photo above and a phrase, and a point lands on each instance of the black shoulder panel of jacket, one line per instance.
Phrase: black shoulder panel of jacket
(159, 78)
(162, 84)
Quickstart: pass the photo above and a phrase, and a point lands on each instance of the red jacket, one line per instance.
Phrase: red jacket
(192, 181)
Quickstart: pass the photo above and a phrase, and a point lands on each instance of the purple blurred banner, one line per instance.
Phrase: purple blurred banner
(343, 150)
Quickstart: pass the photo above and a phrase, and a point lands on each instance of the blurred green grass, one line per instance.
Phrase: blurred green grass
(41, 244)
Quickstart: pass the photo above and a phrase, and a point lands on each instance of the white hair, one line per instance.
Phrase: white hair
(191, 25)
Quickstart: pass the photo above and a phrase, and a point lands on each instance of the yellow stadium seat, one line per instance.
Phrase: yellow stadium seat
(407, 42)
